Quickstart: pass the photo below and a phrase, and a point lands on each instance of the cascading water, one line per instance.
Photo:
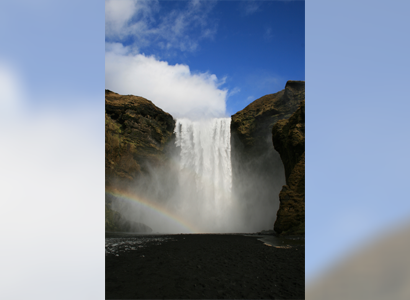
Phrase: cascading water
(193, 189)
(205, 172)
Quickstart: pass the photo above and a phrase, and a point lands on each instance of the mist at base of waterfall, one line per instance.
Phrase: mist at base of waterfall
(193, 191)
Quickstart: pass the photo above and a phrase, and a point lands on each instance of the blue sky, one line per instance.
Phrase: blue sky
(52, 154)
(252, 47)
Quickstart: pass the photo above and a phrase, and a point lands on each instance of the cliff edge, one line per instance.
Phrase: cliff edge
(288, 138)
(136, 133)
(252, 124)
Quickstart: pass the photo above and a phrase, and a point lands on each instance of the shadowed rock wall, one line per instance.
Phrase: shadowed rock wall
(288, 138)
(257, 169)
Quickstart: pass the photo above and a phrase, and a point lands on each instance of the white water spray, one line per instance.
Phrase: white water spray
(194, 192)
(205, 176)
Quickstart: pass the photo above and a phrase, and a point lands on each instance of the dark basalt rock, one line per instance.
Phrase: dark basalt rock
(257, 169)
(250, 126)
(288, 138)
(138, 136)
(136, 133)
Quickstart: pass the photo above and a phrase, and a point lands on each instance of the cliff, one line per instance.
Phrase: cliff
(137, 137)
(288, 138)
(257, 170)
(251, 125)
(136, 133)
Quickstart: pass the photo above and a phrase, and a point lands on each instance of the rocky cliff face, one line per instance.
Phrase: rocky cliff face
(257, 169)
(136, 133)
(254, 123)
(137, 137)
(288, 138)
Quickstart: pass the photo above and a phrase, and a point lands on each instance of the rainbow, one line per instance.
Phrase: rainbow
(155, 207)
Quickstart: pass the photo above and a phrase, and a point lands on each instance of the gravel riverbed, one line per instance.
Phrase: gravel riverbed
(202, 266)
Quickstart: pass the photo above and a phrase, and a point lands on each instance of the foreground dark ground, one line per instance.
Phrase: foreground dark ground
(206, 266)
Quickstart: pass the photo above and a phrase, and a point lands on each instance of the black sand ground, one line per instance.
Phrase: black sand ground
(207, 267)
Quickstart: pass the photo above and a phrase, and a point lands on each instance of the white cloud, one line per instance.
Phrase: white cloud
(118, 49)
(173, 88)
(120, 14)
(250, 7)
(234, 91)
(176, 29)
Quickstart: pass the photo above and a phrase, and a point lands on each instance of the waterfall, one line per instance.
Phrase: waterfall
(205, 171)
(193, 190)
